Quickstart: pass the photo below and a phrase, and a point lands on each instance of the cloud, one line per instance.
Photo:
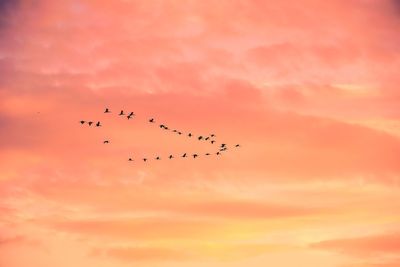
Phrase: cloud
(215, 251)
(294, 83)
(11, 240)
(138, 254)
(368, 246)
(141, 229)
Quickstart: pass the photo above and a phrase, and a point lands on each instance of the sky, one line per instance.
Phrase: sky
(308, 88)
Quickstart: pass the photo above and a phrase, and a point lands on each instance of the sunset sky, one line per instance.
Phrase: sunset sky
(309, 88)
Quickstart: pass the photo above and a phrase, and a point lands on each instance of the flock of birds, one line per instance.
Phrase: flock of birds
(210, 138)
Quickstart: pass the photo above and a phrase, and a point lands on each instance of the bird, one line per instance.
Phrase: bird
(195, 155)
(179, 133)
(107, 111)
(223, 149)
(207, 138)
(174, 131)
(130, 159)
(190, 135)
(212, 135)
(166, 128)
(207, 154)
(121, 113)
(130, 115)
(162, 126)
(237, 145)
(82, 122)
(158, 158)
(98, 124)
(170, 156)
(151, 120)
(223, 145)
(218, 153)
(106, 142)
(90, 123)
(200, 137)
(212, 141)
(184, 155)
(144, 159)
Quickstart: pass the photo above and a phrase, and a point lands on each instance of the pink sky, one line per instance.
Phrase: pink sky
(308, 88)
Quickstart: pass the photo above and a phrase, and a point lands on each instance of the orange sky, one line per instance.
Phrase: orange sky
(308, 88)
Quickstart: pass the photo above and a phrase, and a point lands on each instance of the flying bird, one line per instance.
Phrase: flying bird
(218, 153)
(190, 135)
(212, 135)
(184, 155)
(130, 159)
(107, 111)
(98, 124)
(144, 159)
(179, 133)
(212, 141)
(90, 123)
(237, 145)
(207, 138)
(223, 145)
(174, 131)
(158, 158)
(82, 122)
(200, 137)
(162, 126)
(121, 113)
(207, 154)
(151, 120)
(170, 156)
(195, 155)
(106, 142)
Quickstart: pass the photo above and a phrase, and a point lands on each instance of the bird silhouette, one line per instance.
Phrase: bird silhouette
(174, 131)
(82, 122)
(212, 141)
(130, 159)
(218, 153)
(158, 158)
(200, 137)
(151, 120)
(170, 156)
(90, 123)
(195, 155)
(107, 111)
(184, 155)
(190, 135)
(162, 126)
(223, 149)
(106, 142)
(98, 124)
(207, 138)
(144, 159)
(212, 135)
(166, 128)
(121, 113)
(223, 145)
(130, 116)
(179, 133)
(237, 145)
(207, 154)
